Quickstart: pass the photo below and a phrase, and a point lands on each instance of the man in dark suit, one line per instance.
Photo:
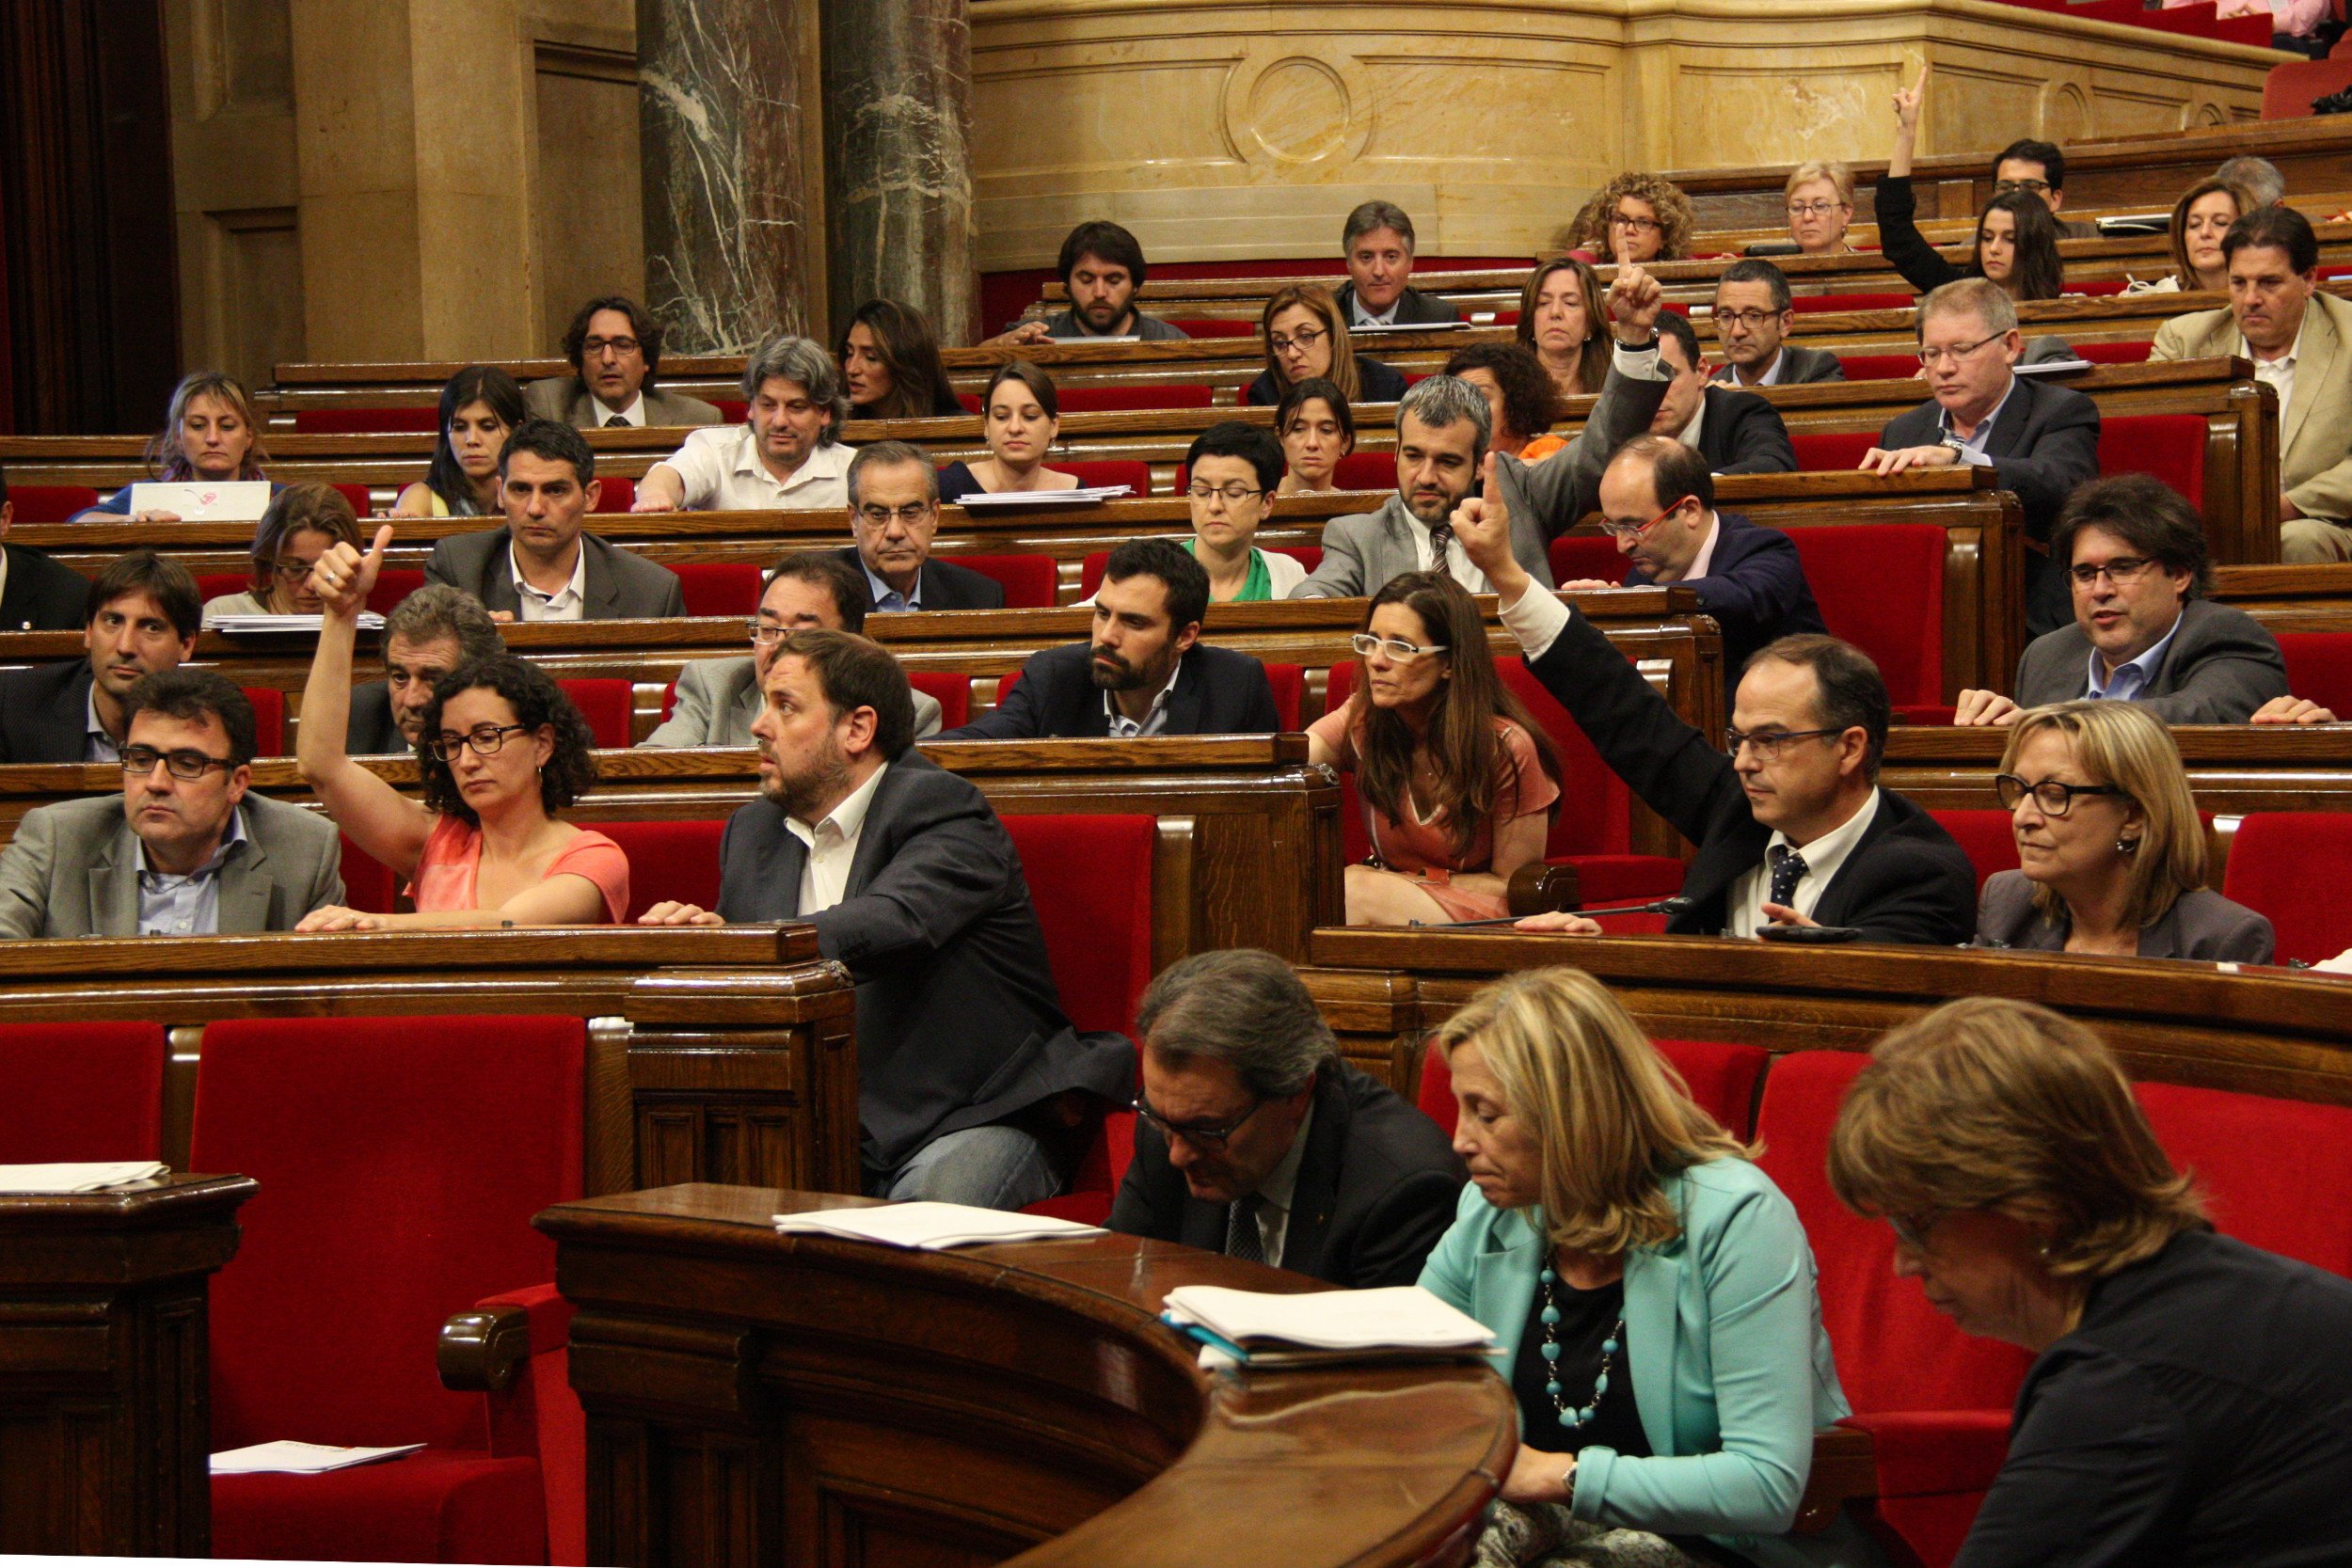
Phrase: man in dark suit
(1752, 318)
(1378, 245)
(964, 1058)
(1792, 827)
(427, 636)
(542, 566)
(2143, 631)
(614, 345)
(36, 594)
(2041, 441)
(1144, 672)
(1736, 432)
(1658, 502)
(143, 614)
(1255, 1140)
(894, 512)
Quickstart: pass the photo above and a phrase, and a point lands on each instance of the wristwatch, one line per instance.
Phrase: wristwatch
(1957, 448)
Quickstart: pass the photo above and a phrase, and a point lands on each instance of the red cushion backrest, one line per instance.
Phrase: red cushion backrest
(1090, 879)
(1874, 367)
(2114, 354)
(719, 587)
(365, 422)
(1100, 400)
(2169, 446)
(1132, 473)
(50, 503)
(1893, 1351)
(1028, 580)
(733, 411)
(1579, 556)
(214, 585)
(2293, 867)
(1811, 304)
(669, 861)
(269, 719)
(367, 883)
(400, 1161)
(393, 584)
(1289, 682)
(2093, 288)
(1366, 471)
(1987, 837)
(2231, 1143)
(1434, 1095)
(81, 1091)
(606, 704)
(2319, 664)
(1881, 587)
(362, 501)
(1823, 451)
(615, 493)
(1722, 1078)
(952, 691)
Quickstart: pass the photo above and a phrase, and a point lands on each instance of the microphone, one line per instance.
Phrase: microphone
(1668, 906)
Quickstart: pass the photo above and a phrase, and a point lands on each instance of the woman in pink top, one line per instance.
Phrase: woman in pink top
(1456, 781)
(503, 751)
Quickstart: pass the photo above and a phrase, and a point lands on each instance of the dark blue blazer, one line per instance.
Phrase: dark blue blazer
(44, 712)
(1755, 587)
(1217, 692)
(941, 585)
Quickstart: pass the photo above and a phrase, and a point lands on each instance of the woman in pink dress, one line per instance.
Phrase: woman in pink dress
(503, 751)
(1456, 781)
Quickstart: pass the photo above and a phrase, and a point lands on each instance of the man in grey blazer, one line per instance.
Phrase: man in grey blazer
(718, 699)
(185, 850)
(1443, 427)
(1752, 318)
(2143, 631)
(614, 345)
(541, 567)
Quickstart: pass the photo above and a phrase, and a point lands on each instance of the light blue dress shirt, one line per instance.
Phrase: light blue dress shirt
(887, 597)
(185, 905)
(2131, 682)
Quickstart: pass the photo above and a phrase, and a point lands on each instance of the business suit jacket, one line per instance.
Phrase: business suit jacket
(718, 698)
(1413, 307)
(2200, 924)
(1374, 383)
(41, 595)
(1743, 433)
(1363, 552)
(373, 732)
(958, 1023)
(1217, 691)
(1723, 1321)
(2315, 431)
(72, 870)
(942, 584)
(2222, 664)
(1377, 1187)
(1755, 587)
(619, 586)
(1797, 366)
(566, 400)
(44, 712)
(1905, 881)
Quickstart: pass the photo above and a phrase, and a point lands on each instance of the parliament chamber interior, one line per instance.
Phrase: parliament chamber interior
(1168, 782)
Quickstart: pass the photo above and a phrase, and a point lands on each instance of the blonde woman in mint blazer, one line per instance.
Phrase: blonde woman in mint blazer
(1676, 1291)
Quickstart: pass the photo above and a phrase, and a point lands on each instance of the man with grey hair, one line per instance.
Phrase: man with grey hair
(787, 455)
(2257, 177)
(894, 512)
(1442, 433)
(1378, 245)
(1254, 1139)
(427, 635)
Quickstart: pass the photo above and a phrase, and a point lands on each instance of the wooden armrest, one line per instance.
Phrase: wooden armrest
(1536, 888)
(1845, 1470)
(482, 1350)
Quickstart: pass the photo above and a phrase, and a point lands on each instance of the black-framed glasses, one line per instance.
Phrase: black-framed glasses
(593, 348)
(1634, 531)
(1210, 1138)
(1749, 318)
(2052, 797)
(2122, 570)
(1957, 351)
(1639, 225)
(1813, 209)
(186, 765)
(1396, 648)
(2011, 188)
(1232, 494)
(485, 739)
(765, 632)
(1304, 338)
(294, 573)
(1768, 744)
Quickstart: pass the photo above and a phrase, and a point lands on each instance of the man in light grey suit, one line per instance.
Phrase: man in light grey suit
(185, 850)
(1442, 430)
(541, 567)
(614, 345)
(718, 699)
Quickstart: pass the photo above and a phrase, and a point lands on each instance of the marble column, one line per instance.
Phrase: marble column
(733, 207)
(898, 158)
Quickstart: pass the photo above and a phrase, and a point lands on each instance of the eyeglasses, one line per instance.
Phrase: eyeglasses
(486, 740)
(1395, 647)
(620, 348)
(1210, 1138)
(291, 572)
(883, 516)
(1749, 318)
(1768, 744)
(1640, 225)
(1304, 338)
(1913, 1231)
(1233, 494)
(2122, 570)
(187, 765)
(1813, 209)
(1634, 531)
(2011, 188)
(765, 632)
(2053, 798)
(1957, 351)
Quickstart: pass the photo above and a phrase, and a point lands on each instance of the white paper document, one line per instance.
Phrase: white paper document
(86, 1176)
(1397, 1317)
(300, 1459)
(932, 1226)
(235, 500)
(246, 626)
(1084, 494)
(2052, 367)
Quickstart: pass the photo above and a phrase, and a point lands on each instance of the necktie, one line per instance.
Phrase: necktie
(1440, 536)
(1241, 1231)
(616, 422)
(1789, 869)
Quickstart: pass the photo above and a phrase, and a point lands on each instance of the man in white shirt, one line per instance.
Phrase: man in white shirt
(787, 455)
(614, 345)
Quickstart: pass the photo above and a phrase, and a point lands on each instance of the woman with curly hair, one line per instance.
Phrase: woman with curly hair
(1635, 217)
(502, 751)
(1520, 395)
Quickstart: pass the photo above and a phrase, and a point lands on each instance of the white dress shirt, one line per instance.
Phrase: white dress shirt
(634, 414)
(1365, 318)
(719, 470)
(568, 602)
(1457, 563)
(1822, 858)
(1704, 561)
(1690, 433)
(2280, 373)
(1276, 1192)
(831, 847)
(1155, 719)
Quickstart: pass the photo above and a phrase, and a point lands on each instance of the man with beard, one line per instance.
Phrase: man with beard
(966, 1062)
(1102, 269)
(1144, 672)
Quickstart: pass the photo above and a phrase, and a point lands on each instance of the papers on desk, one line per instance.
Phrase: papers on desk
(248, 625)
(2052, 367)
(1260, 1329)
(1084, 494)
(88, 1176)
(932, 1226)
(300, 1459)
(236, 500)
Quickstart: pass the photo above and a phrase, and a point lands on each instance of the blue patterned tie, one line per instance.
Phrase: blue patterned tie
(1789, 869)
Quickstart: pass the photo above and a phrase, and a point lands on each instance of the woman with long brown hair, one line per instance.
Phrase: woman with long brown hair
(1304, 336)
(890, 364)
(1561, 321)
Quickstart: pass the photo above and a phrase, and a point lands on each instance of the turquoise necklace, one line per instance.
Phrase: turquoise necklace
(1573, 1417)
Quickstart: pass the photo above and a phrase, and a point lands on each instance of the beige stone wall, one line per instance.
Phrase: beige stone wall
(1227, 128)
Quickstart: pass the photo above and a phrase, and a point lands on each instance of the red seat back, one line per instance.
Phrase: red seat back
(1289, 682)
(953, 693)
(386, 1202)
(1105, 400)
(606, 704)
(615, 493)
(1722, 1078)
(1366, 471)
(1579, 556)
(367, 883)
(2169, 446)
(2319, 664)
(50, 503)
(215, 585)
(1090, 879)
(669, 861)
(362, 501)
(393, 584)
(1028, 580)
(81, 1091)
(366, 422)
(1881, 587)
(1812, 304)
(2114, 354)
(269, 719)
(1832, 450)
(1876, 367)
(1132, 473)
(719, 587)
(2232, 1142)
(2293, 867)
(1987, 837)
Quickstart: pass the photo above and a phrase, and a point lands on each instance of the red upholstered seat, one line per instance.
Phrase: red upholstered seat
(731, 410)
(1575, 557)
(606, 704)
(2114, 354)
(719, 587)
(365, 422)
(50, 503)
(615, 493)
(952, 691)
(81, 1091)
(1028, 580)
(1987, 837)
(386, 1202)
(215, 585)
(2288, 89)
(1090, 879)
(393, 584)
(1132, 472)
(669, 861)
(2232, 1142)
(1876, 367)
(2319, 665)
(1366, 471)
(1811, 304)
(2095, 288)
(367, 883)
(1092, 400)
(1832, 451)
(1288, 684)
(2169, 446)
(1722, 1078)
(362, 501)
(2293, 867)
(269, 719)
(1881, 587)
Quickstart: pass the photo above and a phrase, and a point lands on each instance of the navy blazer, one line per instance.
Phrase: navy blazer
(958, 1023)
(1374, 383)
(1755, 587)
(939, 585)
(41, 594)
(373, 732)
(1217, 691)
(1743, 434)
(44, 712)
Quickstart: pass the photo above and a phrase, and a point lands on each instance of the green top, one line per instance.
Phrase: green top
(1258, 587)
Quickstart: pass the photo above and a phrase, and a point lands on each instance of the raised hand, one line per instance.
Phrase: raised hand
(1483, 524)
(1635, 301)
(344, 578)
(1907, 100)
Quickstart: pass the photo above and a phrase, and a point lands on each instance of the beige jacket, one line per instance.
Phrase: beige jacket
(2315, 431)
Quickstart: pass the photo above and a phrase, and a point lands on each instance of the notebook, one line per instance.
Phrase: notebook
(236, 500)
(1262, 1329)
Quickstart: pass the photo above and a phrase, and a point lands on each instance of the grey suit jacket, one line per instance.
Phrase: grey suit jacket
(566, 400)
(2316, 428)
(72, 871)
(2221, 665)
(619, 586)
(2200, 924)
(1797, 366)
(718, 699)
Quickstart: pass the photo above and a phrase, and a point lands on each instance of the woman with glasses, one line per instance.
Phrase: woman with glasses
(502, 751)
(1651, 1290)
(2111, 853)
(1232, 473)
(480, 406)
(1561, 321)
(303, 522)
(2016, 237)
(1820, 208)
(1021, 420)
(1456, 781)
(1305, 335)
(1317, 429)
(1635, 217)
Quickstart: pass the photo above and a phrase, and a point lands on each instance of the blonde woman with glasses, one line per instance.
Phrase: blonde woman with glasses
(1820, 208)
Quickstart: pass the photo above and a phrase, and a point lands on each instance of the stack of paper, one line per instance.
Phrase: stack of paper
(2052, 367)
(246, 625)
(89, 1176)
(1363, 329)
(300, 1459)
(1084, 494)
(1259, 1329)
(932, 1226)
